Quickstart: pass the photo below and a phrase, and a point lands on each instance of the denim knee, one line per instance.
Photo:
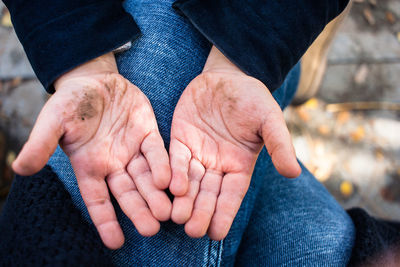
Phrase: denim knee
(322, 237)
(306, 238)
(296, 222)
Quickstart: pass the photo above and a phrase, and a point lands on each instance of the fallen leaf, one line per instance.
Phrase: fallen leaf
(358, 134)
(346, 188)
(10, 158)
(368, 16)
(303, 114)
(312, 103)
(343, 117)
(379, 154)
(15, 82)
(6, 20)
(324, 129)
(390, 17)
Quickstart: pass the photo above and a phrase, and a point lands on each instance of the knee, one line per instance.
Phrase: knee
(300, 237)
(324, 236)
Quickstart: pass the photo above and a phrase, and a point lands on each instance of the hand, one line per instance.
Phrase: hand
(107, 128)
(220, 124)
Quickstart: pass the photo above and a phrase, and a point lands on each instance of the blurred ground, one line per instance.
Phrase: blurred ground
(353, 148)
(21, 98)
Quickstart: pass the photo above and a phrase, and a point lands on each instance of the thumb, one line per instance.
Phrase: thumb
(279, 145)
(41, 144)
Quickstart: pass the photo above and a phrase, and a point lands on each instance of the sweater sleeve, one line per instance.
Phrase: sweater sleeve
(59, 35)
(263, 38)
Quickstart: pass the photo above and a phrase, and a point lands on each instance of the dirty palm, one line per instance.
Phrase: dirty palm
(107, 128)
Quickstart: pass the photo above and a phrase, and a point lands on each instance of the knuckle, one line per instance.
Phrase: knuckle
(100, 201)
(126, 194)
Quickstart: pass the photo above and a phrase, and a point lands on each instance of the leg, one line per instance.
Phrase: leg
(294, 223)
(161, 63)
(288, 222)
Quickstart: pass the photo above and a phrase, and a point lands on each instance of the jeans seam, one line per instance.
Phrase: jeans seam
(220, 249)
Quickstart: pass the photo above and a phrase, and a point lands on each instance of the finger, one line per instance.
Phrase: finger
(204, 205)
(94, 192)
(41, 144)
(279, 145)
(157, 157)
(233, 189)
(180, 156)
(183, 206)
(156, 199)
(132, 204)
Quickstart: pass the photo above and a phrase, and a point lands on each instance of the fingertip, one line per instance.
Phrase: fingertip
(286, 163)
(217, 234)
(22, 168)
(162, 183)
(117, 244)
(178, 219)
(150, 228)
(164, 215)
(180, 212)
(294, 168)
(179, 185)
(219, 227)
(16, 167)
(32, 158)
(295, 171)
(180, 156)
(163, 210)
(291, 169)
(111, 234)
(162, 180)
(195, 230)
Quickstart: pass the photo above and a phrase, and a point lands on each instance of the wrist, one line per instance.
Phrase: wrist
(100, 65)
(217, 61)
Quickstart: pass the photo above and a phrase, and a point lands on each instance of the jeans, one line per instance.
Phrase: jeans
(280, 222)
